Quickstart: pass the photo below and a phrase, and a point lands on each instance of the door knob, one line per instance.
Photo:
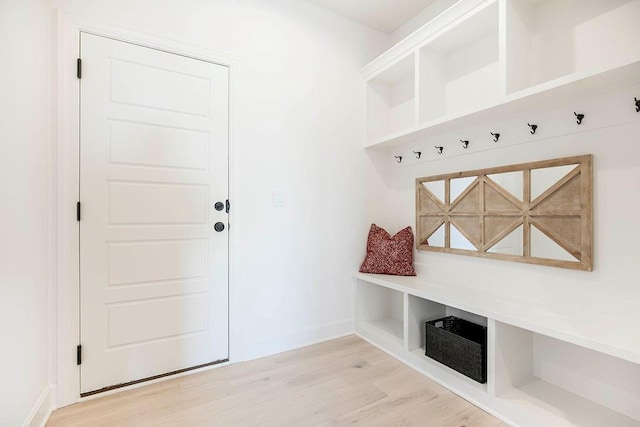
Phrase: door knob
(219, 206)
(218, 227)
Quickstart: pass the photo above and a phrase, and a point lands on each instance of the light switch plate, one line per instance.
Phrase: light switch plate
(277, 198)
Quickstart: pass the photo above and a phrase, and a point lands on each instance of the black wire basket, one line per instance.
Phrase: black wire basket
(460, 345)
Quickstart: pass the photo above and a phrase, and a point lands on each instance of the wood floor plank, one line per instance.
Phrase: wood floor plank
(382, 411)
(471, 416)
(339, 382)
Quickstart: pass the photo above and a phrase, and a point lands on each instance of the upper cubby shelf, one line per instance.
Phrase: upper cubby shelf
(550, 39)
(459, 69)
(391, 103)
(482, 60)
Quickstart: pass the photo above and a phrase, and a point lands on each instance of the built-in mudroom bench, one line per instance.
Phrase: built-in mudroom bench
(549, 361)
(485, 84)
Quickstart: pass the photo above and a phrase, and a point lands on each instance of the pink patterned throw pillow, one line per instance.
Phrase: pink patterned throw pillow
(389, 255)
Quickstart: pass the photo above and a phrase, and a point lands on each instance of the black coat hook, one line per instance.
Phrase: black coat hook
(496, 136)
(579, 117)
(637, 104)
(465, 143)
(439, 149)
(533, 128)
(418, 154)
(399, 158)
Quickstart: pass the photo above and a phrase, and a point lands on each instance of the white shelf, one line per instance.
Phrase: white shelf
(442, 372)
(541, 378)
(553, 93)
(460, 69)
(379, 311)
(391, 99)
(610, 327)
(538, 403)
(547, 39)
(426, 32)
(544, 365)
(483, 61)
(391, 326)
(382, 333)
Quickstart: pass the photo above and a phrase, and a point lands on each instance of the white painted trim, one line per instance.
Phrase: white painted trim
(66, 143)
(43, 408)
(299, 339)
(376, 72)
(65, 173)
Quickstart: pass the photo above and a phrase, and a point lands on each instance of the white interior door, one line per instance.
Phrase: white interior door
(153, 164)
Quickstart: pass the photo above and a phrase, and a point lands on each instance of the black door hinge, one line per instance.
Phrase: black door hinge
(78, 211)
(79, 354)
(79, 68)
(228, 205)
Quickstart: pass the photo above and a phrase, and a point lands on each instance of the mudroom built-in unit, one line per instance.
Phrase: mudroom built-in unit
(545, 365)
(483, 60)
(500, 84)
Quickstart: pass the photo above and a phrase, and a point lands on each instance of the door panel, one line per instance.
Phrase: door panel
(153, 162)
(139, 144)
(132, 263)
(158, 318)
(133, 203)
(138, 84)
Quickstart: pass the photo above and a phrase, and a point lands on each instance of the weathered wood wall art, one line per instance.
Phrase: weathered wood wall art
(537, 213)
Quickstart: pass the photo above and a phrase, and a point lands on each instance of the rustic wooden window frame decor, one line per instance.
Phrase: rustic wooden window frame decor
(565, 211)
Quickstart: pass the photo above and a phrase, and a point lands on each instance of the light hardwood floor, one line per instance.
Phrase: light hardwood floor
(339, 382)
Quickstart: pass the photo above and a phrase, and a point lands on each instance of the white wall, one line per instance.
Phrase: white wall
(301, 128)
(25, 214)
(302, 123)
(616, 178)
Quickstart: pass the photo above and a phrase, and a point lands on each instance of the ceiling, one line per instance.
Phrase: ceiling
(383, 15)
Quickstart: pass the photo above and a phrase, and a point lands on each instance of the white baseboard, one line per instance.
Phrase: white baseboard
(46, 404)
(43, 408)
(260, 349)
(257, 350)
(326, 332)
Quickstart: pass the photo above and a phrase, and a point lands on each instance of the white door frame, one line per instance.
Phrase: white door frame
(65, 178)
